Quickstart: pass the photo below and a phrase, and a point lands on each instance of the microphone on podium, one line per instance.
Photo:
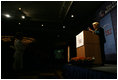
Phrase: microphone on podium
(88, 28)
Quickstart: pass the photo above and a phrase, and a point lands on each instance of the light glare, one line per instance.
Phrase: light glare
(64, 27)
(23, 17)
(42, 25)
(19, 23)
(7, 15)
(19, 8)
(72, 15)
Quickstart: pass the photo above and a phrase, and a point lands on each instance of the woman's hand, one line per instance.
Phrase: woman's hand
(90, 29)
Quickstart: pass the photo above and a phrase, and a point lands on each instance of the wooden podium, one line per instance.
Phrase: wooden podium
(88, 45)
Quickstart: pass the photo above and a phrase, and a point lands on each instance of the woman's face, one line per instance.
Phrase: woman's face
(94, 26)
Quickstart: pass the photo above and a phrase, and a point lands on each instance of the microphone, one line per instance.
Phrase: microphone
(88, 28)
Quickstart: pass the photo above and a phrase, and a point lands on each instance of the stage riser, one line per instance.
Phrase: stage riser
(76, 72)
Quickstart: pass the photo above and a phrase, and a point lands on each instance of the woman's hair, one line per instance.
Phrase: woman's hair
(95, 23)
(19, 35)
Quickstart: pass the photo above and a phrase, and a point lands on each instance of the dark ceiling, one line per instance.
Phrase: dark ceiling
(44, 11)
(54, 15)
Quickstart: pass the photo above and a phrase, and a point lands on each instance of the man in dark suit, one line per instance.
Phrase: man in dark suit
(100, 32)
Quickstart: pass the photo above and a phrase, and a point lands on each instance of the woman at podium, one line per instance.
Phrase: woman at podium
(100, 32)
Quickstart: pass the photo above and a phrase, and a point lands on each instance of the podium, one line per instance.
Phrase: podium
(88, 45)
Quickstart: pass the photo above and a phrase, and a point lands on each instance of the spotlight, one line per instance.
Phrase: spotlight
(64, 27)
(23, 17)
(7, 15)
(19, 23)
(19, 8)
(42, 25)
(72, 16)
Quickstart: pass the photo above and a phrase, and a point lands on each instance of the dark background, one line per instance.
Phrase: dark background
(53, 15)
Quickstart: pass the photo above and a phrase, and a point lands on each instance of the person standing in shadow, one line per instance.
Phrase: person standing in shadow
(100, 32)
(19, 51)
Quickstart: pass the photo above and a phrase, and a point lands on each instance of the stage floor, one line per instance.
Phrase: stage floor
(112, 68)
(108, 71)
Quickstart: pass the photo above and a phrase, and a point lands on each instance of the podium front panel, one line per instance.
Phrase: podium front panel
(90, 50)
(93, 50)
(81, 51)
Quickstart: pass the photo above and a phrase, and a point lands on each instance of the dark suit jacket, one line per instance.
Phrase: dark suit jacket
(100, 33)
